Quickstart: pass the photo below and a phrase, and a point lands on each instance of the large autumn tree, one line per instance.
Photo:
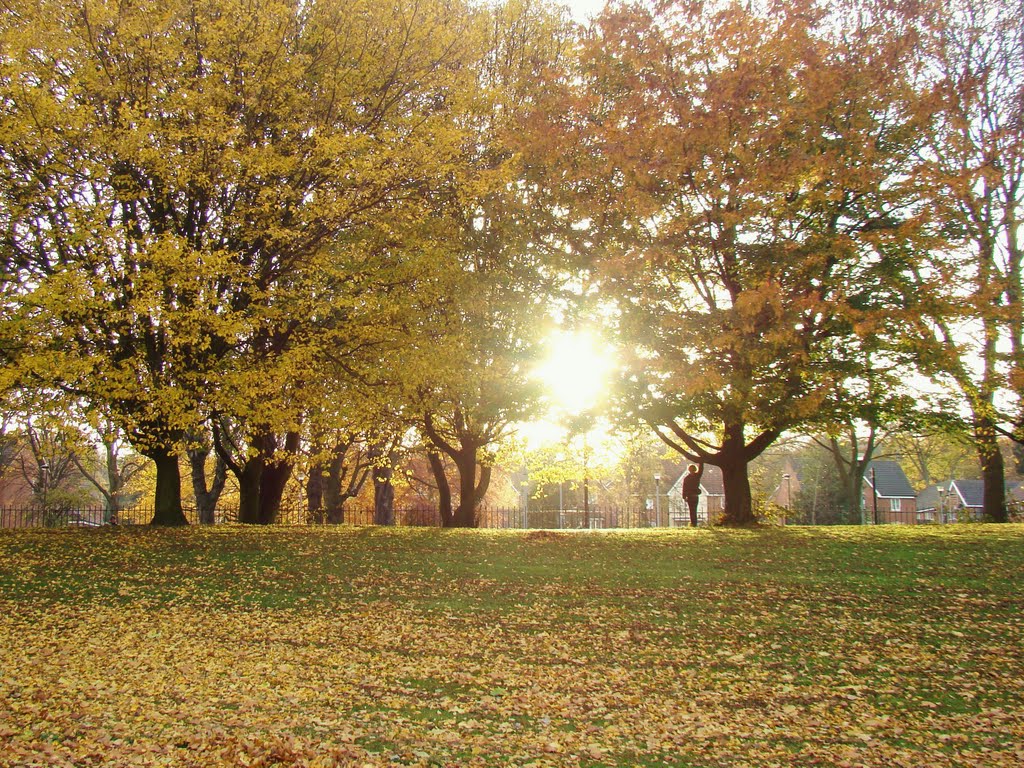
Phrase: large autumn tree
(171, 174)
(743, 175)
(498, 306)
(975, 159)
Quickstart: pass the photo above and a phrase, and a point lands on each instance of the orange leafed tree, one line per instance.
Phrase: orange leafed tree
(742, 178)
(975, 159)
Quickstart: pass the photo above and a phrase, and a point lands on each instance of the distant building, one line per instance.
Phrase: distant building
(710, 504)
(888, 496)
(790, 484)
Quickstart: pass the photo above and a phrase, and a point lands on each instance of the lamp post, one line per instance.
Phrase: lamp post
(300, 492)
(44, 480)
(526, 504)
(789, 493)
(560, 457)
(586, 483)
(874, 498)
(657, 497)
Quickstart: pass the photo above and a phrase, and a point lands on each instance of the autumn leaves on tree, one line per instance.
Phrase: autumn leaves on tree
(754, 182)
(248, 232)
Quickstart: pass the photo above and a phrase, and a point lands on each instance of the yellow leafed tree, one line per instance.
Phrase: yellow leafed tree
(201, 200)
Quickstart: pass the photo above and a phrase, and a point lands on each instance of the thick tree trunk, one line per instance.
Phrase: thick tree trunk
(249, 480)
(465, 514)
(992, 474)
(315, 495)
(334, 500)
(470, 492)
(383, 495)
(168, 509)
(852, 494)
(261, 483)
(206, 498)
(275, 478)
(444, 491)
(733, 459)
(739, 507)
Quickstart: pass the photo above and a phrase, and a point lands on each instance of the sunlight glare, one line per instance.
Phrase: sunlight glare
(576, 371)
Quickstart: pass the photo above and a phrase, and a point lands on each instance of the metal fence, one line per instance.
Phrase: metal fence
(511, 517)
(502, 517)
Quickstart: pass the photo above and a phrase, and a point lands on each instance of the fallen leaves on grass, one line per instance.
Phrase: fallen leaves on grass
(162, 661)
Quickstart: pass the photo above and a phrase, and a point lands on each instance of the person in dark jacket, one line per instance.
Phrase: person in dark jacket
(691, 490)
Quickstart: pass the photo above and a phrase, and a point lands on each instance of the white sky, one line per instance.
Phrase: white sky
(584, 9)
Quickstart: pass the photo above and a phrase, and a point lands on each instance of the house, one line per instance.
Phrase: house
(788, 490)
(887, 494)
(931, 504)
(710, 505)
(965, 499)
(1015, 499)
(961, 500)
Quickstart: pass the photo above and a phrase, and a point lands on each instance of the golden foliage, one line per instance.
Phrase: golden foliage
(350, 647)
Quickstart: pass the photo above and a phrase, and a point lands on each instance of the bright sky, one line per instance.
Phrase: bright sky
(584, 9)
(575, 370)
(575, 373)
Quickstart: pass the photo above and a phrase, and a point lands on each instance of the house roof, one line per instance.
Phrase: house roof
(928, 498)
(1016, 490)
(710, 482)
(971, 492)
(889, 480)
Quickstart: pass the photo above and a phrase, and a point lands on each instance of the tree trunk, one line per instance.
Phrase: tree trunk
(168, 509)
(465, 515)
(444, 491)
(112, 496)
(275, 478)
(261, 483)
(334, 500)
(206, 499)
(992, 473)
(249, 480)
(315, 495)
(733, 459)
(383, 495)
(739, 507)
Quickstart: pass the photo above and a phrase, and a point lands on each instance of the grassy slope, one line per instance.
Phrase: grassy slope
(879, 646)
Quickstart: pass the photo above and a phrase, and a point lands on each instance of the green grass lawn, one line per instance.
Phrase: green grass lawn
(889, 646)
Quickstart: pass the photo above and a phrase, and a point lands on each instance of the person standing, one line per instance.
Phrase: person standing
(691, 490)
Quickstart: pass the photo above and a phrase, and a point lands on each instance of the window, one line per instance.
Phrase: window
(896, 505)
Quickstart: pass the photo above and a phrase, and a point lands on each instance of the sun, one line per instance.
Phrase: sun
(576, 370)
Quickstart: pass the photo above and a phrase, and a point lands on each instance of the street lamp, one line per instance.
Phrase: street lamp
(586, 483)
(44, 478)
(789, 493)
(874, 497)
(300, 492)
(657, 497)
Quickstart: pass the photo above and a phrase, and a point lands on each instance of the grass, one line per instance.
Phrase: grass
(241, 646)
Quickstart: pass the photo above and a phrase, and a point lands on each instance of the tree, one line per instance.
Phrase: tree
(111, 469)
(493, 320)
(183, 186)
(743, 176)
(337, 473)
(975, 159)
(933, 456)
(462, 432)
(206, 491)
(864, 409)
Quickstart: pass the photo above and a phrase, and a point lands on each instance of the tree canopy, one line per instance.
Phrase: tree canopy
(261, 233)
